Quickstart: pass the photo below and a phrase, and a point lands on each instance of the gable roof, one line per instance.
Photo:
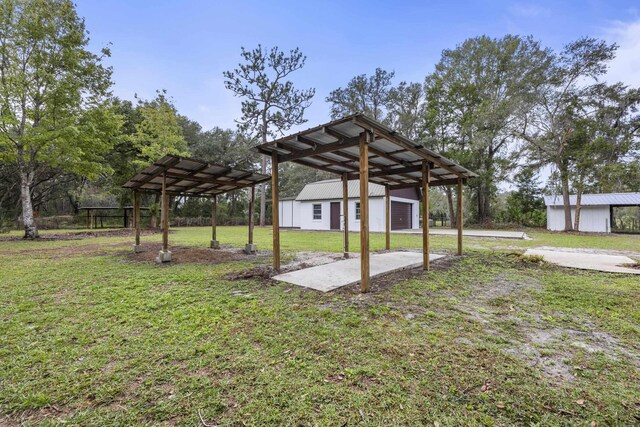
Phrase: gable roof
(393, 160)
(614, 199)
(332, 189)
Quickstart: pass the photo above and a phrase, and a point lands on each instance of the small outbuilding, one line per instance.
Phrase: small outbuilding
(319, 207)
(599, 213)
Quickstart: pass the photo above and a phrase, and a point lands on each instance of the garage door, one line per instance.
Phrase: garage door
(400, 215)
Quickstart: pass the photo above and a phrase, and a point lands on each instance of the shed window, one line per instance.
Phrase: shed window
(357, 210)
(317, 211)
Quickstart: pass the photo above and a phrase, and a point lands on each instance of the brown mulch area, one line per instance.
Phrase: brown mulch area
(124, 232)
(187, 254)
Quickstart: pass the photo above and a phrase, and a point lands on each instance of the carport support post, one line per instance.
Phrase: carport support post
(165, 254)
(364, 213)
(136, 219)
(425, 215)
(275, 216)
(214, 223)
(387, 223)
(459, 215)
(345, 212)
(250, 248)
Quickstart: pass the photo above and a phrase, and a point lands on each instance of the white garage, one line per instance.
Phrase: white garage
(596, 211)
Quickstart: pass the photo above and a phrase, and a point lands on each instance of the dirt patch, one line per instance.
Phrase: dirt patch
(187, 254)
(505, 309)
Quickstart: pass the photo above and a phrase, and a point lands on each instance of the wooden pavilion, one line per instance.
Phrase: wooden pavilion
(357, 147)
(174, 176)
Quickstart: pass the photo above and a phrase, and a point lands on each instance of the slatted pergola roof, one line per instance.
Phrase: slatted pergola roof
(190, 177)
(394, 160)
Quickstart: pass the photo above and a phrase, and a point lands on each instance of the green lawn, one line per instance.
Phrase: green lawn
(92, 337)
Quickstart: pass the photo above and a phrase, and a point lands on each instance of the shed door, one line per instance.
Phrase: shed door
(335, 215)
(400, 215)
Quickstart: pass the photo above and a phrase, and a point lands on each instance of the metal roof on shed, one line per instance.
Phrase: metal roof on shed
(393, 159)
(332, 189)
(190, 177)
(613, 199)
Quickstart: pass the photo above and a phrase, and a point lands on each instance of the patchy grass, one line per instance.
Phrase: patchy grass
(93, 336)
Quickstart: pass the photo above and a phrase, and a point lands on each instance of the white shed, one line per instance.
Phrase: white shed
(319, 207)
(596, 212)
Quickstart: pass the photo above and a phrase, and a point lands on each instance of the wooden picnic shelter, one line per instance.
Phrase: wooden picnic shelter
(358, 147)
(175, 176)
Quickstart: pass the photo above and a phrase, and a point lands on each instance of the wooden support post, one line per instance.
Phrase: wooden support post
(426, 172)
(459, 215)
(275, 206)
(252, 202)
(345, 212)
(364, 212)
(89, 219)
(387, 221)
(165, 214)
(136, 216)
(214, 223)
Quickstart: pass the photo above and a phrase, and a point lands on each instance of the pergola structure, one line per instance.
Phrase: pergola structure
(358, 147)
(174, 176)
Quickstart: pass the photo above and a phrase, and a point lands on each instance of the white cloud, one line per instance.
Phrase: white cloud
(626, 66)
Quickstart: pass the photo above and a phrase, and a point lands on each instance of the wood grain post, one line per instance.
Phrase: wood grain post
(88, 219)
(459, 215)
(165, 214)
(136, 215)
(345, 212)
(387, 222)
(364, 212)
(426, 172)
(252, 201)
(214, 218)
(275, 214)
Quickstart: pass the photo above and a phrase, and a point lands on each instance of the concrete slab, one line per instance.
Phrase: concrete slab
(586, 261)
(498, 234)
(334, 275)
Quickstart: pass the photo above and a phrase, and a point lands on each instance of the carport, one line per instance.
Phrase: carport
(174, 176)
(357, 147)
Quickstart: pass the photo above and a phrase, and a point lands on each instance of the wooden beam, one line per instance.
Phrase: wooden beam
(431, 184)
(165, 214)
(425, 215)
(345, 212)
(387, 221)
(149, 177)
(319, 149)
(459, 215)
(136, 215)
(214, 218)
(364, 212)
(252, 202)
(275, 207)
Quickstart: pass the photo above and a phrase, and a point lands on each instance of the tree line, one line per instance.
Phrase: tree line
(502, 107)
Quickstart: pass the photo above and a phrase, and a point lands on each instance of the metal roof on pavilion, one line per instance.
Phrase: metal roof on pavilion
(394, 160)
(190, 177)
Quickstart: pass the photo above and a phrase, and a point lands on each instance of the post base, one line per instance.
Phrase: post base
(214, 244)
(163, 257)
(137, 249)
(250, 248)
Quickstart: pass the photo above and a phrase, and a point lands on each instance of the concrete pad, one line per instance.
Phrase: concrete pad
(328, 277)
(250, 248)
(137, 249)
(498, 234)
(586, 261)
(214, 244)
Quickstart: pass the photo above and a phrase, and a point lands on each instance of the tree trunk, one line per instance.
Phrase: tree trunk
(564, 181)
(578, 206)
(452, 212)
(263, 193)
(30, 228)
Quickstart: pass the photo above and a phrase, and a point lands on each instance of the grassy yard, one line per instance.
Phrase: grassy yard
(93, 336)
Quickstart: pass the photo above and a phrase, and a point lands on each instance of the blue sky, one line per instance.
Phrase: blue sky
(184, 46)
